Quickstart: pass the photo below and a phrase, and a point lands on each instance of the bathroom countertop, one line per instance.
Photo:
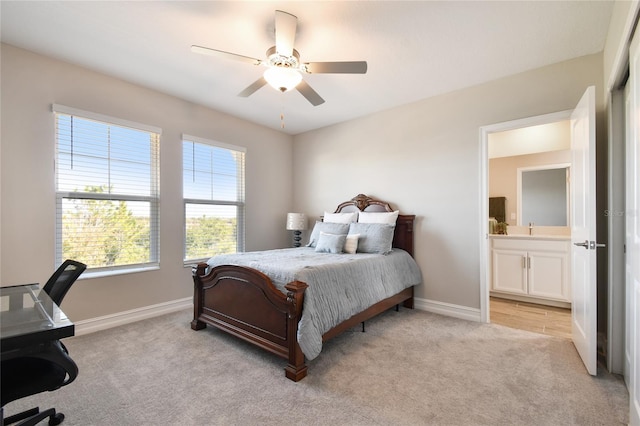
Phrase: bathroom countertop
(531, 237)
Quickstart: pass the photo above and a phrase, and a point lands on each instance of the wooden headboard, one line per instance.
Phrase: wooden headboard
(403, 234)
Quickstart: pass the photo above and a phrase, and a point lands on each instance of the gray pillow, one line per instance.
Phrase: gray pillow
(330, 243)
(374, 237)
(329, 228)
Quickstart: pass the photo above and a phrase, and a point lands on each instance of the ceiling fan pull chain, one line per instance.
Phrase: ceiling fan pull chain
(282, 111)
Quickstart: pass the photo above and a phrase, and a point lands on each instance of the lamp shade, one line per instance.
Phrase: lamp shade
(281, 78)
(296, 221)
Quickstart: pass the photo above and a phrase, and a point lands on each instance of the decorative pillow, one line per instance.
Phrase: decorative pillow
(328, 227)
(374, 237)
(330, 243)
(378, 217)
(351, 244)
(340, 217)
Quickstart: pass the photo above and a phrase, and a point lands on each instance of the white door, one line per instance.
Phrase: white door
(628, 191)
(632, 239)
(583, 230)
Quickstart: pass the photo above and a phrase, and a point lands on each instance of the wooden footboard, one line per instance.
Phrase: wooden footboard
(245, 303)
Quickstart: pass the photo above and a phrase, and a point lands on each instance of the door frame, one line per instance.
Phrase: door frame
(485, 131)
(616, 224)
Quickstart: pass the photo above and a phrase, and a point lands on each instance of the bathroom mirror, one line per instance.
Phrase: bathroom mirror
(543, 195)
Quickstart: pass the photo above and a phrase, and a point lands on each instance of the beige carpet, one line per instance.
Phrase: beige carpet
(409, 368)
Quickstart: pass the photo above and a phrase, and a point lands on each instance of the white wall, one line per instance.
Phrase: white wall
(30, 84)
(425, 158)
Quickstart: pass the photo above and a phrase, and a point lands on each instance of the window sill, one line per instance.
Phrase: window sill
(124, 271)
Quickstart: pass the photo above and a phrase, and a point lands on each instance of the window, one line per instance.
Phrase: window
(213, 191)
(107, 191)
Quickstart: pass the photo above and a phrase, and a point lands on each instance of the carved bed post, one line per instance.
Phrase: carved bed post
(296, 369)
(198, 296)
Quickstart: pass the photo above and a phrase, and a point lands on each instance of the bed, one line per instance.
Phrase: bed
(291, 310)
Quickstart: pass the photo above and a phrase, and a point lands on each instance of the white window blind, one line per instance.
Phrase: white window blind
(213, 191)
(107, 175)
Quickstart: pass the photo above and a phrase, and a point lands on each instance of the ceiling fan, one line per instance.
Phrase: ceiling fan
(284, 68)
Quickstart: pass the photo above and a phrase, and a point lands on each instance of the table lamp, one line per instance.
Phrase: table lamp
(296, 222)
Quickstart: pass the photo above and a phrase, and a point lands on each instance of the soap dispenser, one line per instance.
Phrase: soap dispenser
(492, 225)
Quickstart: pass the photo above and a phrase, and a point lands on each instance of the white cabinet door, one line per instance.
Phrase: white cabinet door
(509, 271)
(548, 275)
(539, 269)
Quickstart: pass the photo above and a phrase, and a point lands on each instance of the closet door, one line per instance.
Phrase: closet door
(632, 199)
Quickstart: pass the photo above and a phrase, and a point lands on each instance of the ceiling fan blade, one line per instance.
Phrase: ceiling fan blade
(226, 55)
(311, 95)
(253, 87)
(354, 67)
(286, 24)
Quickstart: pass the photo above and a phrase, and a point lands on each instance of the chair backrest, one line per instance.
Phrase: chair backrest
(62, 279)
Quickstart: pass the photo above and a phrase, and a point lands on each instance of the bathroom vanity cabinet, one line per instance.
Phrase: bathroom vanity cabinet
(535, 269)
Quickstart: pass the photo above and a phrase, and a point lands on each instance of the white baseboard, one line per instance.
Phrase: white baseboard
(121, 318)
(108, 321)
(448, 309)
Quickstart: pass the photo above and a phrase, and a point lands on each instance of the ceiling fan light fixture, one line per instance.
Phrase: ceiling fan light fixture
(282, 79)
(284, 68)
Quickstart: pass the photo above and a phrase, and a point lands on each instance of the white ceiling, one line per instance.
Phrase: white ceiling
(414, 49)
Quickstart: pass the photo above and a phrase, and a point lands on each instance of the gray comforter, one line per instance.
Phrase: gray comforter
(340, 285)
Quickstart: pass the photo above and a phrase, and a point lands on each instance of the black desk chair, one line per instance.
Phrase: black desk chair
(60, 282)
(45, 370)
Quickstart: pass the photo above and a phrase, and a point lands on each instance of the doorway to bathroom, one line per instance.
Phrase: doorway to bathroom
(530, 259)
(528, 241)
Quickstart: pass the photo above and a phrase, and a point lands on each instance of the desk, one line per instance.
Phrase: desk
(29, 320)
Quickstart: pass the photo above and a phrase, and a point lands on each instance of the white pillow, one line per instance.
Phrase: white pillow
(378, 217)
(340, 217)
(351, 244)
